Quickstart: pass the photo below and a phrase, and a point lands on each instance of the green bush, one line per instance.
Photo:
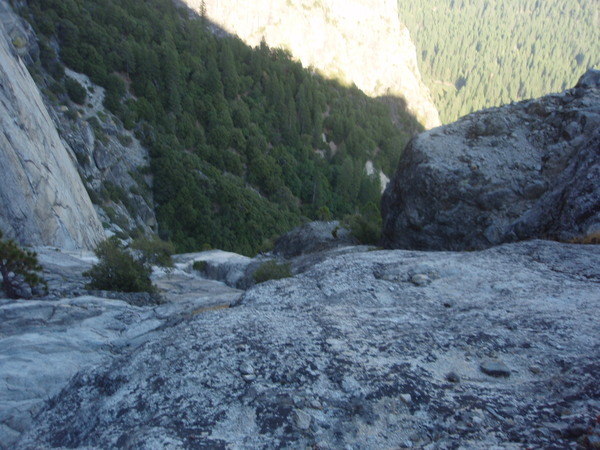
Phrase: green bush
(366, 226)
(18, 269)
(199, 266)
(154, 251)
(117, 270)
(272, 270)
(76, 91)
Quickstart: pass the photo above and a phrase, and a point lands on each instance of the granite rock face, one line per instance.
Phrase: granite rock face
(355, 352)
(45, 342)
(521, 171)
(42, 198)
(313, 237)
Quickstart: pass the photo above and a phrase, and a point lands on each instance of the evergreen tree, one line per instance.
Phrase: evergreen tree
(242, 141)
(18, 269)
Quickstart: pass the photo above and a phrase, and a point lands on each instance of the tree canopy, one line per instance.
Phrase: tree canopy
(245, 143)
(480, 53)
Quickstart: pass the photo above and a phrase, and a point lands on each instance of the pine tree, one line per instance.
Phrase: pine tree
(18, 269)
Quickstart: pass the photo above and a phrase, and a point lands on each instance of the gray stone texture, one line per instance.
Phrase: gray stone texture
(351, 353)
(313, 237)
(521, 171)
(42, 198)
(45, 342)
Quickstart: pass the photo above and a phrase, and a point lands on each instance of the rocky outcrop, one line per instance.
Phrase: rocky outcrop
(313, 237)
(44, 343)
(521, 171)
(230, 268)
(357, 41)
(302, 248)
(111, 160)
(380, 349)
(42, 198)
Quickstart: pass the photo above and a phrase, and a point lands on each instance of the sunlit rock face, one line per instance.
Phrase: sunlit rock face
(354, 41)
(42, 198)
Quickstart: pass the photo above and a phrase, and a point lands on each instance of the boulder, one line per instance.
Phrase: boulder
(520, 171)
(313, 237)
(230, 268)
(353, 353)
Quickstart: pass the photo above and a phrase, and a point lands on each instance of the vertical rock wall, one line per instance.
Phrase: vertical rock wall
(42, 198)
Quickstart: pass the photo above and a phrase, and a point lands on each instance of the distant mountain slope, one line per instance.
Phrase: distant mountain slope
(355, 41)
(244, 143)
(481, 53)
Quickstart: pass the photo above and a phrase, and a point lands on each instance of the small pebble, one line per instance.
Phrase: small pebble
(316, 404)
(246, 368)
(406, 398)
(453, 377)
(535, 370)
(495, 368)
(420, 279)
(302, 419)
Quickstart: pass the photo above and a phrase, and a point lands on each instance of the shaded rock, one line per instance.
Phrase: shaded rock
(108, 156)
(495, 368)
(313, 237)
(591, 79)
(232, 269)
(336, 344)
(452, 377)
(521, 171)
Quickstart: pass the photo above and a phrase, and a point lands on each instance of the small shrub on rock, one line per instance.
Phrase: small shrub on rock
(154, 251)
(590, 239)
(18, 269)
(199, 266)
(76, 91)
(366, 226)
(118, 270)
(272, 270)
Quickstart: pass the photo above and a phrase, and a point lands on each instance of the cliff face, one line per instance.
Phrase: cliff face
(356, 41)
(42, 198)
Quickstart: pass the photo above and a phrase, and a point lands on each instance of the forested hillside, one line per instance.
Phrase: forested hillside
(480, 53)
(244, 142)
